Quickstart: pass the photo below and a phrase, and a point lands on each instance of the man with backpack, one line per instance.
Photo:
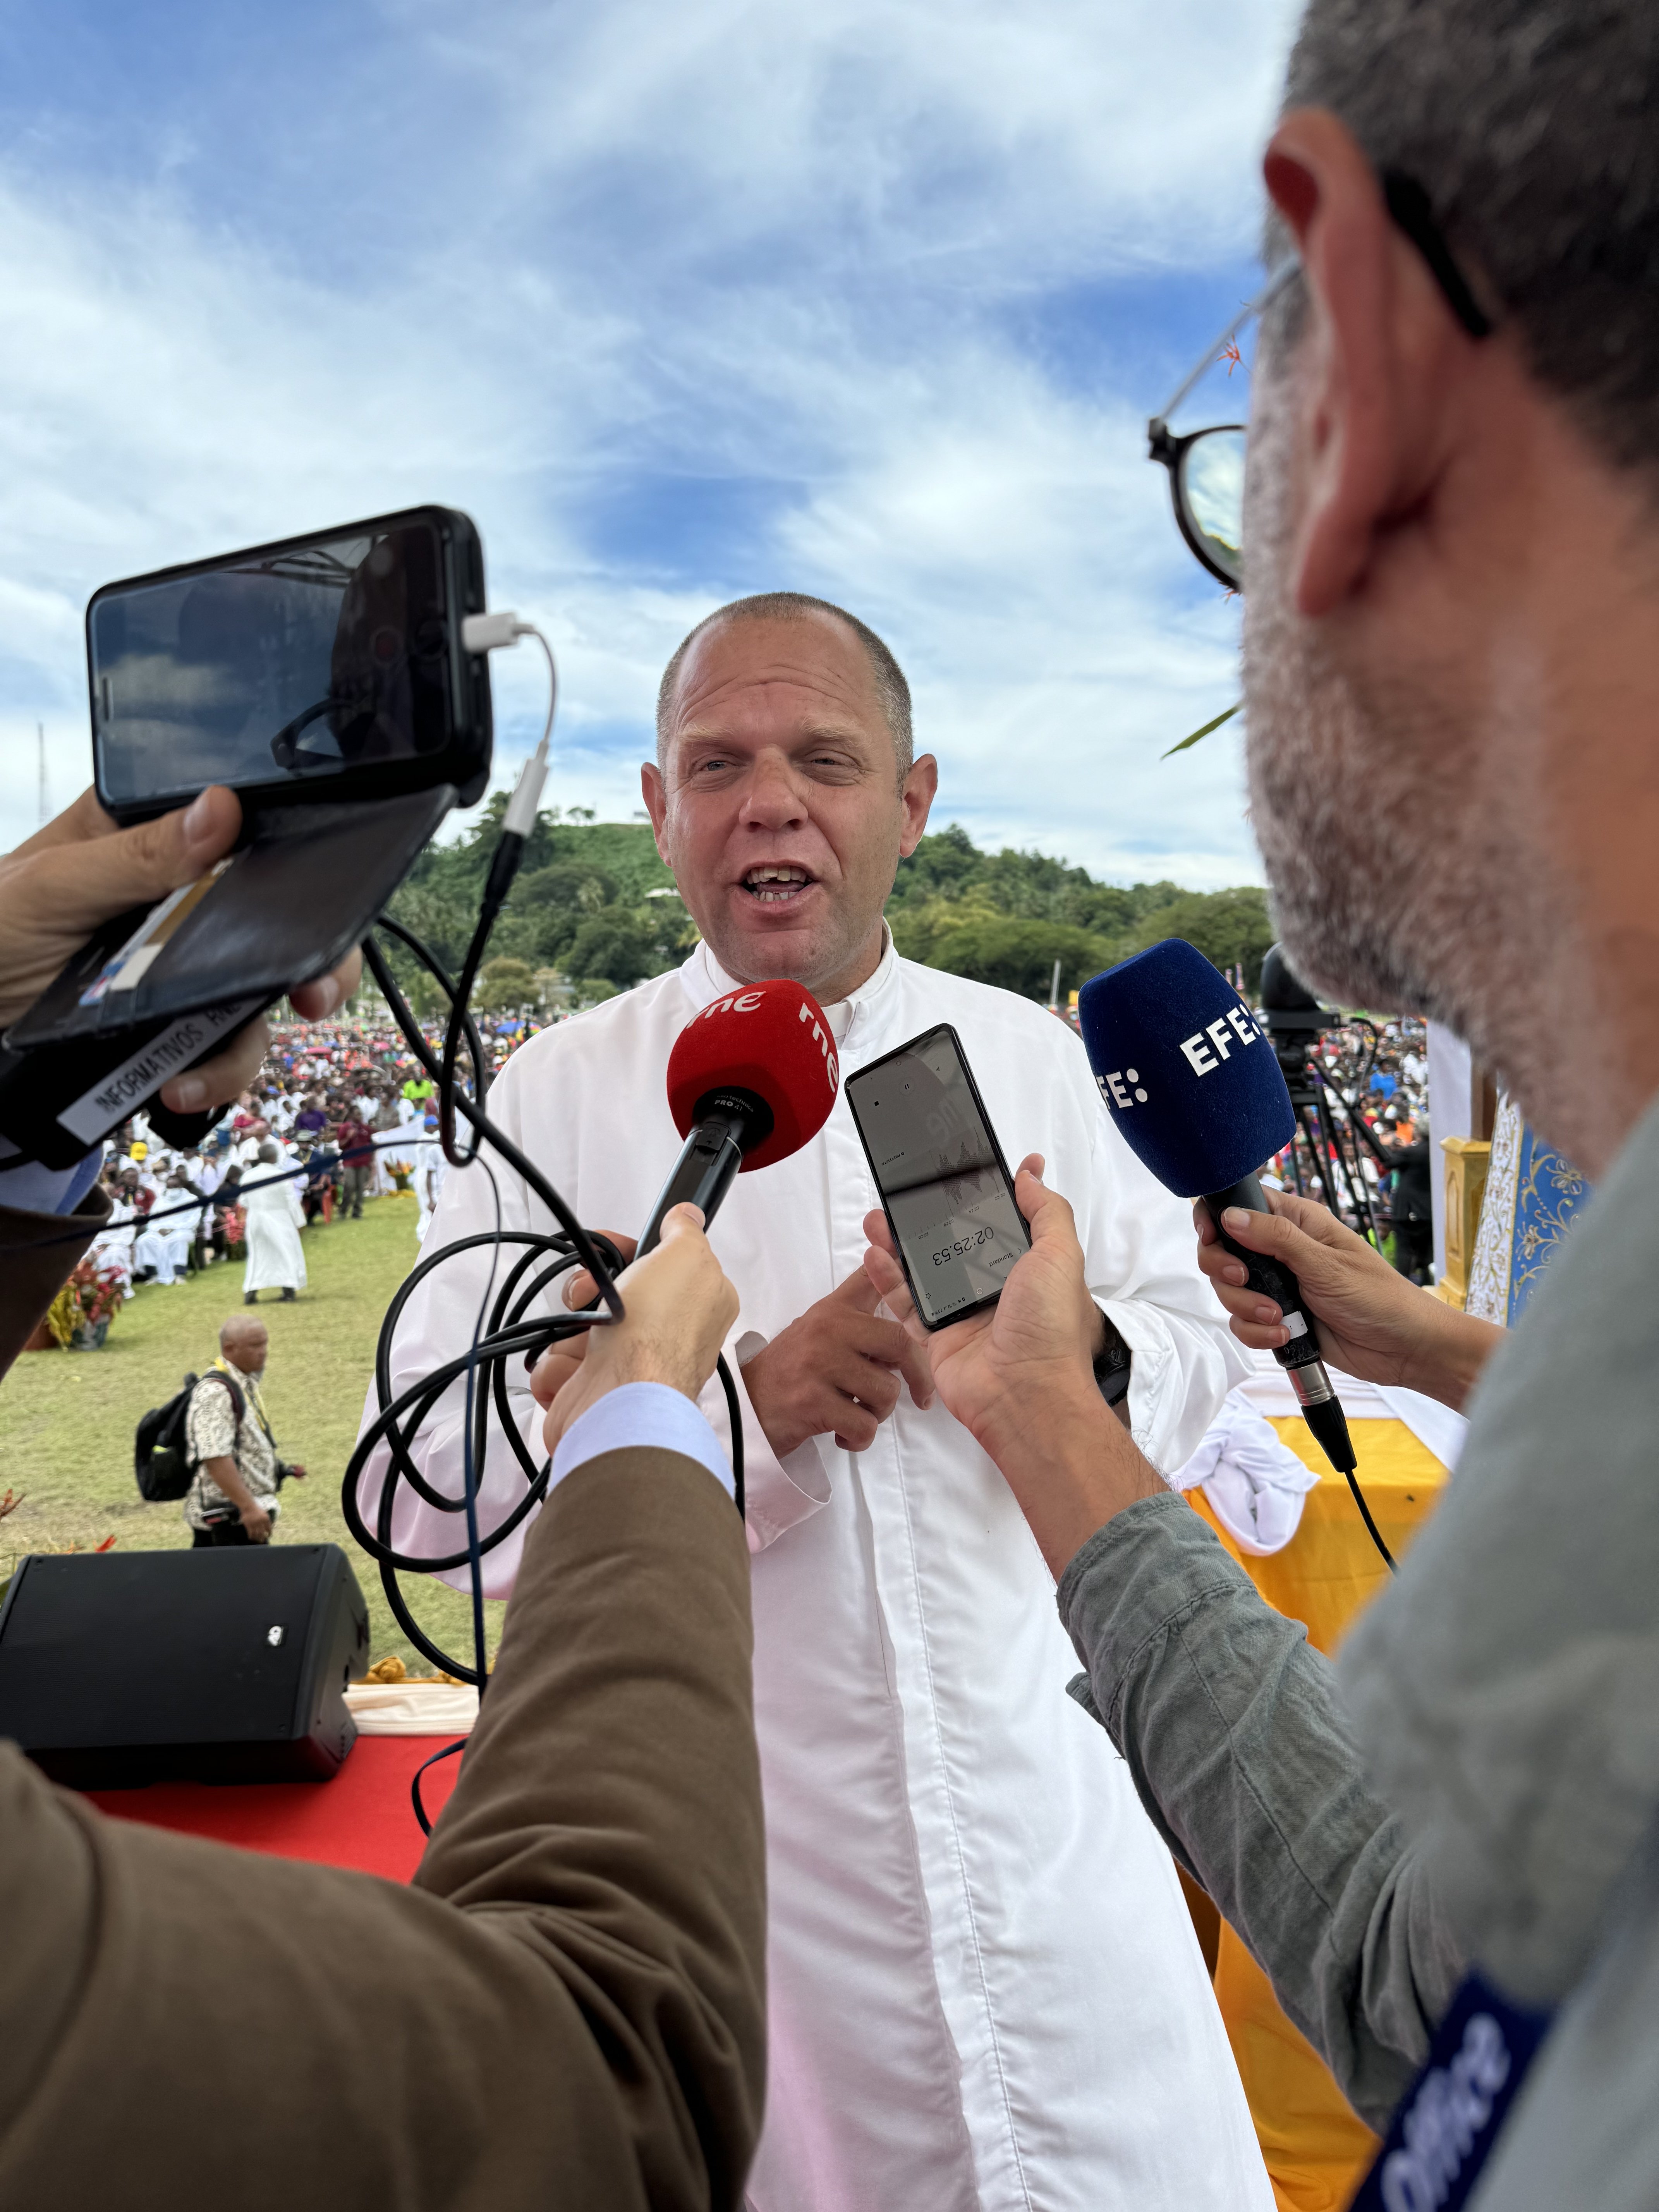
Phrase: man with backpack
(231, 1498)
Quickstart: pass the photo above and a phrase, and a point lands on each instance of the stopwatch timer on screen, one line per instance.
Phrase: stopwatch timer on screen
(944, 1187)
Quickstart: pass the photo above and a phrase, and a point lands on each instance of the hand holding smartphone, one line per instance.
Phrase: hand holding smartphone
(326, 682)
(944, 1184)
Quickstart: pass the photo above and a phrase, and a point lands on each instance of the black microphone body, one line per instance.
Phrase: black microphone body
(1320, 1406)
(729, 1123)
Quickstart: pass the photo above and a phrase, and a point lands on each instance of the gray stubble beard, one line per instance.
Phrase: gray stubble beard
(1395, 871)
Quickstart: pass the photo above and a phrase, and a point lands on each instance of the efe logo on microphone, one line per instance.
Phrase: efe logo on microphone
(1112, 1090)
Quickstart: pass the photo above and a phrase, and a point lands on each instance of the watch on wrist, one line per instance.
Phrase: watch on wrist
(1112, 1365)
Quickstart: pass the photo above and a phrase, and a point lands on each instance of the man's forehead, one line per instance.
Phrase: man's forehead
(803, 672)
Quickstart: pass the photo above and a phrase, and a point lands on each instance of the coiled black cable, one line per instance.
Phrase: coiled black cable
(506, 1329)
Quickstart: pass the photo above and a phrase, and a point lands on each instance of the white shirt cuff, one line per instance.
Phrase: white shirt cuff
(777, 1493)
(650, 1415)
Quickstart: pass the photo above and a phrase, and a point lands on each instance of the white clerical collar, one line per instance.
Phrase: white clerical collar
(705, 981)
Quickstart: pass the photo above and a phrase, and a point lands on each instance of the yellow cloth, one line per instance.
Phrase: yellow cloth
(1315, 2149)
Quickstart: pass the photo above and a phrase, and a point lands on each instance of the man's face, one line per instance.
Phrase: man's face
(1372, 749)
(780, 811)
(248, 1350)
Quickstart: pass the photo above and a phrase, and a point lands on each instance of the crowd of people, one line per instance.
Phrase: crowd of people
(1376, 1178)
(338, 1113)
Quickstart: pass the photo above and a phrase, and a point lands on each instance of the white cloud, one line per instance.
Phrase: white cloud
(732, 243)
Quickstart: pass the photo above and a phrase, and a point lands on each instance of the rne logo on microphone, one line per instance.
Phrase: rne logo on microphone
(1113, 1091)
(1201, 1058)
(821, 1041)
(744, 1002)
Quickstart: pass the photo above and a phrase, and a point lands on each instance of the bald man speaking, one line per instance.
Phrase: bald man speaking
(985, 1991)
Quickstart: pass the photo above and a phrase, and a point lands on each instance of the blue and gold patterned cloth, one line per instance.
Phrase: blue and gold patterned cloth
(1534, 1196)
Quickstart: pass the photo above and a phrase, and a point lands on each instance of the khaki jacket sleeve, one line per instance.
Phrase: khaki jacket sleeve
(566, 2010)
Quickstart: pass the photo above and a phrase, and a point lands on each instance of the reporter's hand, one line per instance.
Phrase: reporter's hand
(256, 1522)
(558, 1364)
(81, 870)
(836, 1371)
(679, 1309)
(1371, 1321)
(1019, 1376)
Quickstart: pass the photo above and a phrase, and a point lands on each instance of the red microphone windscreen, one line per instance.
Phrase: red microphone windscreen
(769, 1038)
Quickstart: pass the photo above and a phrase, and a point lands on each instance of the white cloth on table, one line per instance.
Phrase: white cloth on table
(985, 1989)
(275, 1259)
(1254, 1483)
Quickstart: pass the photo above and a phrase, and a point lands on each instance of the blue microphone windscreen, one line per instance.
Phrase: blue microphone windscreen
(1188, 1075)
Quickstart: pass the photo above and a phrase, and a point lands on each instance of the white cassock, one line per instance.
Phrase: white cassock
(275, 1259)
(431, 1171)
(985, 1992)
(112, 1246)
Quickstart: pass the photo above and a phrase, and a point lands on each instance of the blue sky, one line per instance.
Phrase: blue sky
(871, 300)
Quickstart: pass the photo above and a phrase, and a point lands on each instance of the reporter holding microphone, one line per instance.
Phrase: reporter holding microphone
(565, 2007)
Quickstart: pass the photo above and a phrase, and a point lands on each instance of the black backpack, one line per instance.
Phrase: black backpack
(161, 1458)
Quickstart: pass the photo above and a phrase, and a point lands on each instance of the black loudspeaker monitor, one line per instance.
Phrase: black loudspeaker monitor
(122, 1668)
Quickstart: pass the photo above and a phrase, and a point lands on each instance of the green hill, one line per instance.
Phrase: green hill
(582, 909)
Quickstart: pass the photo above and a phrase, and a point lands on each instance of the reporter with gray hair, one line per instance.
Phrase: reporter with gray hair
(1451, 547)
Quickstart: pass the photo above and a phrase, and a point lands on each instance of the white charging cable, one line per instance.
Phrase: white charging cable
(489, 634)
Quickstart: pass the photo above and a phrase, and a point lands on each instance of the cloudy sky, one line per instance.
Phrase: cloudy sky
(870, 298)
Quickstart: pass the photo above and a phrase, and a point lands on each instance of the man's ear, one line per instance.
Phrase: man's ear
(1376, 355)
(655, 795)
(916, 798)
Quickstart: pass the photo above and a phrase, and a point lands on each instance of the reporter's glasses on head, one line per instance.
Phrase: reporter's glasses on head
(1206, 466)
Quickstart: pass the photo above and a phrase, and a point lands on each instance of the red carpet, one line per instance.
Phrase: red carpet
(363, 1819)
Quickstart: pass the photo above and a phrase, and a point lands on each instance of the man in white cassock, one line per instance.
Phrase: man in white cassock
(985, 1988)
(274, 1217)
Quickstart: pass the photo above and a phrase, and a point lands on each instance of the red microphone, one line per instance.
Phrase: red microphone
(751, 1078)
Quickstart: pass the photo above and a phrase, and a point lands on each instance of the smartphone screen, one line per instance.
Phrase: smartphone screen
(947, 1194)
(324, 659)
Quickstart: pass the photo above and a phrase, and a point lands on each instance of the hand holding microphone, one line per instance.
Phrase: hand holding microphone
(751, 1078)
(680, 1306)
(1196, 1093)
(1369, 1320)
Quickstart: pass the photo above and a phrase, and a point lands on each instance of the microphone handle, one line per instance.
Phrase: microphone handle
(1320, 1407)
(703, 1173)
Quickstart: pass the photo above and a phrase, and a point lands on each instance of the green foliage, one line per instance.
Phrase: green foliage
(584, 905)
(505, 986)
(575, 871)
(1227, 926)
(620, 946)
(1006, 917)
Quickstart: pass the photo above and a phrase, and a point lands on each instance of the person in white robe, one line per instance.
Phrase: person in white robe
(430, 1170)
(985, 1991)
(111, 1248)
(163, 1244)
(275, 1215)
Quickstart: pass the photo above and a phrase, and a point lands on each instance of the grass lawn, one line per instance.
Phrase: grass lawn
(67, 1418)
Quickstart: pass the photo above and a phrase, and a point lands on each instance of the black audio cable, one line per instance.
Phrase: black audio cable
(506, 1327)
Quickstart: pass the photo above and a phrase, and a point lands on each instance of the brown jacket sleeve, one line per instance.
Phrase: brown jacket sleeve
(565, 2011)
(39, 1253)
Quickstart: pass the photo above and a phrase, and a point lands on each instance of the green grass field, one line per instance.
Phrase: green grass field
(67, 1418)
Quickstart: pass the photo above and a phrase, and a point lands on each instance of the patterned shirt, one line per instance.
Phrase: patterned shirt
(213, 1432)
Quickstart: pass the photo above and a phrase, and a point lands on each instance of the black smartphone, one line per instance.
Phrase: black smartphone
(330, 667)
(944, 1185)
(330, 670)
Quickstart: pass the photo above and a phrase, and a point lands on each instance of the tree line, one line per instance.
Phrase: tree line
(594, 911)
